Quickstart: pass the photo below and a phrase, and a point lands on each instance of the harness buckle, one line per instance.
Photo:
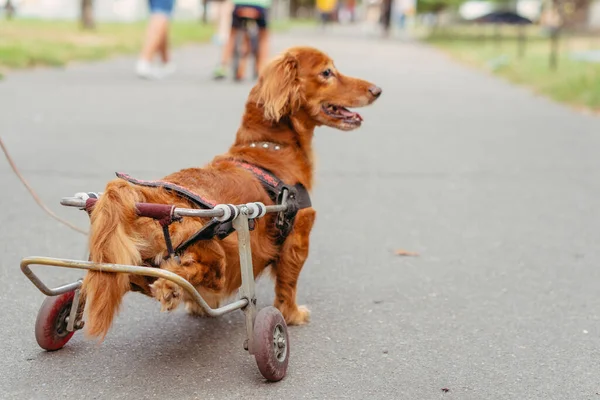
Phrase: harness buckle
(285, 219)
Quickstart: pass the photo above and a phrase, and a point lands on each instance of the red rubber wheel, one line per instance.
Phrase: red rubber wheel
(271, 344)
(51, 324)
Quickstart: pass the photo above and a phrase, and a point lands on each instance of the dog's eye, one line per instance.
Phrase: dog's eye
(327, 73)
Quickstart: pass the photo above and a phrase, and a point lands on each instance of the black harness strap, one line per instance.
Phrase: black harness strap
(298, 197)
(275, 186)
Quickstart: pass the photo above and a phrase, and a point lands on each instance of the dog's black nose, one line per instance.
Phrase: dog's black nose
(375, 91)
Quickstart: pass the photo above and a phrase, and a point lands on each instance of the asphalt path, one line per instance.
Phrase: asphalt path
(495, 188)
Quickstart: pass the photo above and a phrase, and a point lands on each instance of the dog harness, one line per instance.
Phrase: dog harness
(297, 199)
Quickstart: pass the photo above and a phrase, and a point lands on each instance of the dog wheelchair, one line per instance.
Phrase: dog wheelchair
(61, 313)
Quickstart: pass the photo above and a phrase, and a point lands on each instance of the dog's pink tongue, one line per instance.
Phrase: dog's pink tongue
(349, 114)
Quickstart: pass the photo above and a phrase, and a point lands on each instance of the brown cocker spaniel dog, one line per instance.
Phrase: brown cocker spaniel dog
(297, 91)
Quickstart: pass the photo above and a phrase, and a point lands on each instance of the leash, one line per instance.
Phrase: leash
(33, 194)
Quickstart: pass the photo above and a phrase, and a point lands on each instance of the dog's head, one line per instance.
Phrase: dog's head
(306, 78)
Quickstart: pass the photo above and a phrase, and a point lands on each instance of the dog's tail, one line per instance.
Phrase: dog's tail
(110, 241)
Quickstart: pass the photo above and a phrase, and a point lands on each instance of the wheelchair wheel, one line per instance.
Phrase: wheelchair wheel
(51, 324)
(272, 344)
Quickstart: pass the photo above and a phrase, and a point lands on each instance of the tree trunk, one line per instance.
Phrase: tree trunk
(386, 16)
(498, 34)
(87, 14)
(482, 33)
(204, 11)
(522, 41)
(9, 9)
(294, 7)
(554, 37)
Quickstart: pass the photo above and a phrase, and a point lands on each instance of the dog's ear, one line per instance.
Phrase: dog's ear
(278, 88)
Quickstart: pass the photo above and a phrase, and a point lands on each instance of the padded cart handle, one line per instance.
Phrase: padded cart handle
(159, 211)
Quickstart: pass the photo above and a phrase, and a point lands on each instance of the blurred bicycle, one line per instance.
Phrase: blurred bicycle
(248, 37)
(246, 42)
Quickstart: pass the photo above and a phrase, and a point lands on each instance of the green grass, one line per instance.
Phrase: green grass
(30, 43)
(575, 83)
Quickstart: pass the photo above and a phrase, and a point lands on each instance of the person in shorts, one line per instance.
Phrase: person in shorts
(326, 8)
(260, 10)
(157, 42)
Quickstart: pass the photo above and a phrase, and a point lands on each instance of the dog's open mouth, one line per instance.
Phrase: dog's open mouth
(342, 113)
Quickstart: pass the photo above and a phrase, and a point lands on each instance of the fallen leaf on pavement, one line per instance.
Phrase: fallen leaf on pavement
(402, 252)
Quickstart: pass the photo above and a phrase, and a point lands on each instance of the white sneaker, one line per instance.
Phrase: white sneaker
(144, 69)
(166, 69)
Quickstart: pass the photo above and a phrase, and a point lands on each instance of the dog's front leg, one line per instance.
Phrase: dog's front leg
(201, 265)
(287, 269)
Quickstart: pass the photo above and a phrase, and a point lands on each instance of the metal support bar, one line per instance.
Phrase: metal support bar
(281, 215)
(41, 286)
(247, 289)
(181, 212)
(119, 268)
(74, 309)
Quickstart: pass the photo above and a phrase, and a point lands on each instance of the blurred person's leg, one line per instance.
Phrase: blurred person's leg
(236, 23)
(156, 40)
(245, 52)
(168, 67)
(223, 33)
(386, 16)
(263, 50)
(326, 8)
(163, 48)
(221, 70)
(323, 15)
(263, 41)
(224, 24)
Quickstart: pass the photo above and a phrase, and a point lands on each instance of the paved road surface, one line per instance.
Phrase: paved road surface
(496, 189)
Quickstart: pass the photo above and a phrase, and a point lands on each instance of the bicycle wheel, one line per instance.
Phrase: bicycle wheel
(237, 54)
(254, 50)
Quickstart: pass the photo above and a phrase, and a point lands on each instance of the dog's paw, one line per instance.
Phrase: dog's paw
(168, 293)
(300, 316)
(194, 309)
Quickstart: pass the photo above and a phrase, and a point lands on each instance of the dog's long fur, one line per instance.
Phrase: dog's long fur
(284, 107)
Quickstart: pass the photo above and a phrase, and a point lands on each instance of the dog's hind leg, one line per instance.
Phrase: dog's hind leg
(287, 269)
(202, 265)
